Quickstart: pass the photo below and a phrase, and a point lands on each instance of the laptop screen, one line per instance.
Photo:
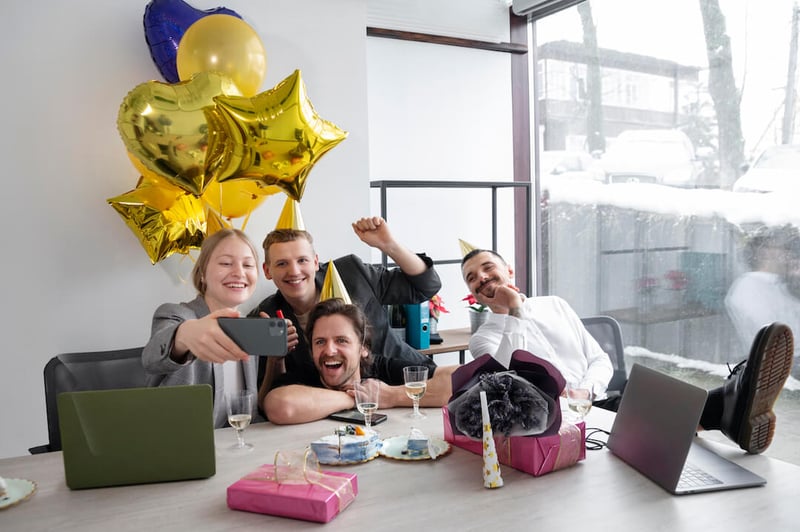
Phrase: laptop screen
(655, 424)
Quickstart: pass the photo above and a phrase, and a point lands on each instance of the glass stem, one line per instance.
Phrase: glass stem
(416, 407)
(240, 437)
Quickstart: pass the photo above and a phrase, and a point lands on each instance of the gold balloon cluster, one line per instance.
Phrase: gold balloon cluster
(209, 148)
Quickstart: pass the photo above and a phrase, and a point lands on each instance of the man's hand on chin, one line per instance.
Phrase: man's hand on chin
(505, 298)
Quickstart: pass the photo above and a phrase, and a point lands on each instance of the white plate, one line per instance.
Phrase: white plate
(17, 490)
(393, 448)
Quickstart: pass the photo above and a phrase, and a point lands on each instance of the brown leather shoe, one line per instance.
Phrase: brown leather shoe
(751, 389)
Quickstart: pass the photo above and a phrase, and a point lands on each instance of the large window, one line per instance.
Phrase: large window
(656, 209)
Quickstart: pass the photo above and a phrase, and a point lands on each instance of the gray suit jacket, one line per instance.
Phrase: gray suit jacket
(161, 370)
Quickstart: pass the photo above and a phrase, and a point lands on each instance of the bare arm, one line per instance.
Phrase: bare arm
(375, 232)
(296, 403)
(276, 366)
(437, 392)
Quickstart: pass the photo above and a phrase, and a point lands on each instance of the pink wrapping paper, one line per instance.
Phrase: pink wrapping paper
(537, 455)
(259, 492)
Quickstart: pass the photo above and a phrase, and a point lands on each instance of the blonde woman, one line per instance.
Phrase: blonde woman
(186, 345)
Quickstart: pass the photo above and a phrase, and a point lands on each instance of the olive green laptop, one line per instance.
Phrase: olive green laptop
(137, 435)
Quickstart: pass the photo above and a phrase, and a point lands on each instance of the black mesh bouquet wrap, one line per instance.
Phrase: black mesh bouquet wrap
(522, 400)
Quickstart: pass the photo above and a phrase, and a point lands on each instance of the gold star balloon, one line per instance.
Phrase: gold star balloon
(275, 137)
(163, 217)
(164, 127)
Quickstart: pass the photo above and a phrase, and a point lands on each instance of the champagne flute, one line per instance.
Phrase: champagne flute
(416, 381)
(367, 397)
(240, 409)
(579, 399)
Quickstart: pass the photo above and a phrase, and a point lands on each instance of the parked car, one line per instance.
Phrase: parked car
(569, 164)
(663, 156)
(777, 169)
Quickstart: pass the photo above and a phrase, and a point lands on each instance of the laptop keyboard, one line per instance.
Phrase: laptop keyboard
(693, 477)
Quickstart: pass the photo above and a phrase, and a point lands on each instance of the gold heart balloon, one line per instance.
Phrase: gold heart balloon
(164, 127)
(275, 137)
(166, 219)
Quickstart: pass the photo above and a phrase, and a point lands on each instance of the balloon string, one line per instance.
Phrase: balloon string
(246, 219)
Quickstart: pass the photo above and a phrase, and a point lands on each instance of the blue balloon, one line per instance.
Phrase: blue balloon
(165, 22)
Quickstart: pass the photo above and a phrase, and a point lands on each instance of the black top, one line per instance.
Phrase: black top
(370, 287)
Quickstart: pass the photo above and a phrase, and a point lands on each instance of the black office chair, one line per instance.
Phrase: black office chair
(608, 334)
(102, 370)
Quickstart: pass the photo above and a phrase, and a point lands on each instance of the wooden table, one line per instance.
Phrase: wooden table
(454, 340)
(600, 493)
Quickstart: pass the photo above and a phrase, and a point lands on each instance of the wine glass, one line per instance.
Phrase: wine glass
(367, 393)
(416, 380)
(240, 409)
(579, 400)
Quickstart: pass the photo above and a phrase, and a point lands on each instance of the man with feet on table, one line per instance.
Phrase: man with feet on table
(741, 408)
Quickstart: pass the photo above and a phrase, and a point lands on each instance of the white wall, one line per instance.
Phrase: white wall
(74, 277)
(442, 113)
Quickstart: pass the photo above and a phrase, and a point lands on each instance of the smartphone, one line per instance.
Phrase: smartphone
(354, 416)
(263, 337)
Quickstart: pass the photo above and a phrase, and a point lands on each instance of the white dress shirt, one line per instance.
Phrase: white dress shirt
(550, 329)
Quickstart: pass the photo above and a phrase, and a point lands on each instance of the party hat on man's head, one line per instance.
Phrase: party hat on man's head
(466, 247)
(290, 217)
(333, 286)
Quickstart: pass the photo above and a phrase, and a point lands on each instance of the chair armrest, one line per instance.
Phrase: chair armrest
(40, 449)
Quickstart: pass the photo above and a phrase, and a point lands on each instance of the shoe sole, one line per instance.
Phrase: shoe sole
(770, 371)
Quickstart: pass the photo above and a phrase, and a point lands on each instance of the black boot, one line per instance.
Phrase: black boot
(751, 389)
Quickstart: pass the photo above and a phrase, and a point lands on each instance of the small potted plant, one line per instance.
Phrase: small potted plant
(478, 313)
(436, 307)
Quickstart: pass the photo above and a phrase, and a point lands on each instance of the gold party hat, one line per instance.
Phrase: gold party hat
(214, 222)
(466, 247)
(333, 286)
(290, 217)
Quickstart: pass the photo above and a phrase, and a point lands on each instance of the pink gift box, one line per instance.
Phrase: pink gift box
(537, 455)
(316, 501)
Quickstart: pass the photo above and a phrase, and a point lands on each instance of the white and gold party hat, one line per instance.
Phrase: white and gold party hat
(491, 465)
(466, 247)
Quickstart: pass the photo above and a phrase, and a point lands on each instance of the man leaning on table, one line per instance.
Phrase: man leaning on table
(741, 408)
(339, 336)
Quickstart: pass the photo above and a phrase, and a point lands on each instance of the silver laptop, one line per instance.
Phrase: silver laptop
(654, 432)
